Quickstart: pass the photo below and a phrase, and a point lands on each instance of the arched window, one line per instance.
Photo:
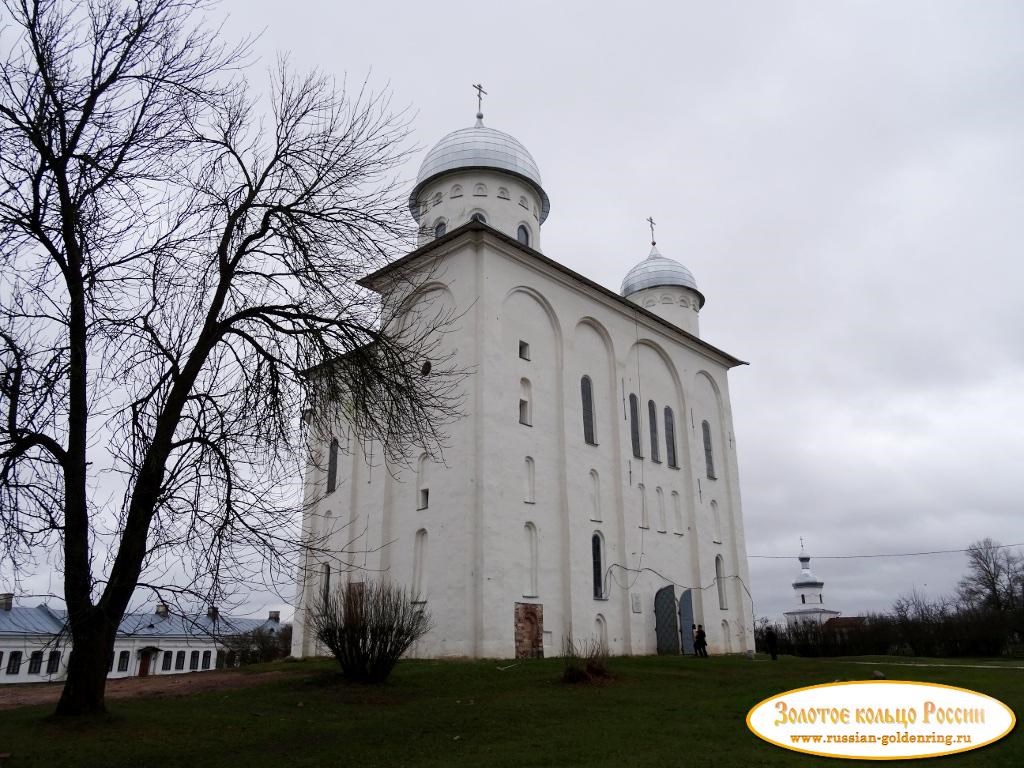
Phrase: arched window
(480, 190)
(530, 582)
(595, 496)
(325, 580)
(438, 197)
(709, 458)
(720, 580)
(479, 217)
(503, 193)
(587, 396)
(332, 466)
(523, 202)
(677, 511)
(716, 519)
(644, 518)
(601, 630)
(525, 402)
(440, 229)
(456, 191)
(419, 572)
(652, 416)
(530, 482)
(670, 438)
(597, 560)
(523, 235)
(634, 425)
(422, 483)
(661, 509)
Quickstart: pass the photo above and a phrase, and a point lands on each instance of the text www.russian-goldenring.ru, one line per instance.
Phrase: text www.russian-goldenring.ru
(884, 740)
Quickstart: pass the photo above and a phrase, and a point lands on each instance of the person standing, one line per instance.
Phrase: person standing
(771, 642)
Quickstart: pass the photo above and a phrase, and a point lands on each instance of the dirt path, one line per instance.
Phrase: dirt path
(33, 694)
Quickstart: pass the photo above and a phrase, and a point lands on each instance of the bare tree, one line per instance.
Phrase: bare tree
(994, 578)
(172, 265)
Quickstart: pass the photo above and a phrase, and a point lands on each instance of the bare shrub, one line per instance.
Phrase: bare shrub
(585, 662)
(368, 626)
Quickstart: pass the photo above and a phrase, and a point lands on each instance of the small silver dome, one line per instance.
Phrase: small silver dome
(479, 147)
(657, 270)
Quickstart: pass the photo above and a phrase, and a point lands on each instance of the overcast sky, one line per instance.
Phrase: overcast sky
(845, 181)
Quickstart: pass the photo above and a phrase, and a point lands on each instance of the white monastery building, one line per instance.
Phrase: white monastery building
(591, 490)
(809, 593)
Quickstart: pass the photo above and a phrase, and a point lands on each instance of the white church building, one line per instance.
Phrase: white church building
(591, 490)
(809, 592)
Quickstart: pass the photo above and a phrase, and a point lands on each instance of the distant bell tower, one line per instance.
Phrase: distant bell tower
(808, 588)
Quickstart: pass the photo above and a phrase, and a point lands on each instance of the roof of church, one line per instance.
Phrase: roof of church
(476, 226)
(479, 147)
(657, 270)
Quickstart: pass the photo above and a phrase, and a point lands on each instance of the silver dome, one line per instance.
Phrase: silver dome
(656, 270)
(479, 147)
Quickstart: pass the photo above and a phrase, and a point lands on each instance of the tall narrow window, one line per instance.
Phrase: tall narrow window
(14, 663)
(720, 579)
(422, 483)
(529, 481)
(644, 520)
(35, 663)
(530, 580)
(123, 660)
(597, 559)
(716, 520)
(595, 496)
(587, 396)
(53, 663)
(179, 660)
(677, 511)
(652, 417)
(440, 229)
(332, 466)
(661, 509)
(709, 457)
(325, 580)
(168, 661)
(525, 406)
(193, 661)
(419, 560)
(207, 655)
(524, 350)
(670, 438)
(634, 425)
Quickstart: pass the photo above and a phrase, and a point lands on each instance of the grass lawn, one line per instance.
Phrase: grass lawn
(659, 711)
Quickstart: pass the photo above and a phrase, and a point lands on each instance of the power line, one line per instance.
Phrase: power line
(888, 554)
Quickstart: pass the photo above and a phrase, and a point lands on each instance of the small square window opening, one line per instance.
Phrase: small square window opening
(524, 350)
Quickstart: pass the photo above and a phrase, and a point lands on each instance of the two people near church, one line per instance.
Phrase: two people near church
(700, 641)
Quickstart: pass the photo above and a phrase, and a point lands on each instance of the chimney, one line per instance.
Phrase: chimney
(274, 616)
(6, 601)
(162, 610)
(212, 613)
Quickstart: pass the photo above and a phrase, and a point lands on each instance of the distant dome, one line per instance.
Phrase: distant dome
(806, 577)
(479, 147)
(657, 270)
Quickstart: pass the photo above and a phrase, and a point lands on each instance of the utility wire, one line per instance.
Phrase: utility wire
(889, 554)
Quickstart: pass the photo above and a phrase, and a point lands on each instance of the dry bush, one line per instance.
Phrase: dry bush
(368, 626)
(585, 662)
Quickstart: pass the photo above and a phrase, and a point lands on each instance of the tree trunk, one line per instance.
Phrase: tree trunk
(92, 643)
